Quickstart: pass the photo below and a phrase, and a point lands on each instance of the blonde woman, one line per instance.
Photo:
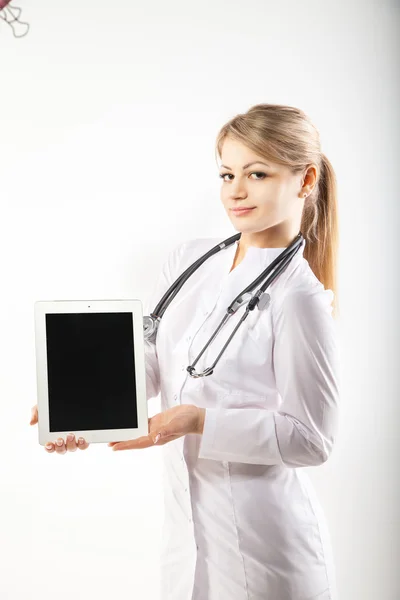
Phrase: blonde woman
(242, 521)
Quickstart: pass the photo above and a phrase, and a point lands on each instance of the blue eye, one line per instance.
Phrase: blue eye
(263, 175)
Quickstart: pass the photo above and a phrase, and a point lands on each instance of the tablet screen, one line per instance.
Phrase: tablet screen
(91, 371)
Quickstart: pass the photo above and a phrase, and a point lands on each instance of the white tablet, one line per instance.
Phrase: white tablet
(90, 366)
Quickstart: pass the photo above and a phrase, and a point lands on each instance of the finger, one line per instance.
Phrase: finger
(143, 442)
(49, 447)
(60, 446)
(34, 416)
(138, 444)
(71, 443)
(82, 444)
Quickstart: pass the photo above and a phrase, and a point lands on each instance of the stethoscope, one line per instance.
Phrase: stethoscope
(260, 298)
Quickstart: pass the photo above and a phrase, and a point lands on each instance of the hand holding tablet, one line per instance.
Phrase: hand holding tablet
(163, 428)
(91, 379)
(70, 445)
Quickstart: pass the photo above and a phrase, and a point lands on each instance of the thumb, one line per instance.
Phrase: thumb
(33, 417)
(162, 433)
(157, 436)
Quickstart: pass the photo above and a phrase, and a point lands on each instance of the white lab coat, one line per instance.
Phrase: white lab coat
(242, 521)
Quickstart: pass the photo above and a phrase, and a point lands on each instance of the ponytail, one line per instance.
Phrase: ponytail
(320, 228)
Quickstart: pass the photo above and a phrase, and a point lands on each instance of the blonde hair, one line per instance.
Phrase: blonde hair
(285, 135)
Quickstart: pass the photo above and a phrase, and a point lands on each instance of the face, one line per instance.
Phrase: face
(274, 192)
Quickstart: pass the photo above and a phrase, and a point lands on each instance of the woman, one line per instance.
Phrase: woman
(241, 517)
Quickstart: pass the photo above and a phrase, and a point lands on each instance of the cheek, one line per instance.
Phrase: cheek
(265, 194)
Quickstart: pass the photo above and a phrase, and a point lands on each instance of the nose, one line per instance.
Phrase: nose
(237, 189)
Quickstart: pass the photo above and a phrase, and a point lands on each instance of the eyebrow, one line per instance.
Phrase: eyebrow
(248, 165)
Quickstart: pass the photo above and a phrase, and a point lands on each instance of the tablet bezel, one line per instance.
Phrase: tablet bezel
(43, 307)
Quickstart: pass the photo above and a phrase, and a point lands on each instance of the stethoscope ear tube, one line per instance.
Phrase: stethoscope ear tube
(281, 266)
(279, 263)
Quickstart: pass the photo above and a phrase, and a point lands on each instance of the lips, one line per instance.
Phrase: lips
(239, 210)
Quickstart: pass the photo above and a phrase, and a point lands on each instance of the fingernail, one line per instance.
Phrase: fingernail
(49, 446)
(70, 437)
(81, 440)
(59, 442)
(157, 438)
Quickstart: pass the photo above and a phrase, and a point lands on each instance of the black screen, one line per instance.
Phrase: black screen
(91, 371)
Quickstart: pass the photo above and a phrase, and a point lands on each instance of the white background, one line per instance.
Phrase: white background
(109, 113)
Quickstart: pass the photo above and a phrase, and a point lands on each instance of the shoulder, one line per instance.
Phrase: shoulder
(301, 296)
(186, 252)
(200, 245)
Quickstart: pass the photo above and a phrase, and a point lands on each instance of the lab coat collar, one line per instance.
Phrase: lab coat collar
(262, 257)
(255, 261)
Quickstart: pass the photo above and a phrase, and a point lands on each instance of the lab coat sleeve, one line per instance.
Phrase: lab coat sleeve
(168, 274)
(306, 364)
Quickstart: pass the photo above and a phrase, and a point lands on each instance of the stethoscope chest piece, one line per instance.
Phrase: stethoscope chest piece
(150, 326)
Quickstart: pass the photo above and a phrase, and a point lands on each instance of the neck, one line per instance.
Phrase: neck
(265, 239)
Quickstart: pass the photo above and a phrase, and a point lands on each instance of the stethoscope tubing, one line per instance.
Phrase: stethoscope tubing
(270, 273)
(177, 285)
(250, 306)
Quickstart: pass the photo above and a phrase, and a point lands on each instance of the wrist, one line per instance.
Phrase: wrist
(201, 419)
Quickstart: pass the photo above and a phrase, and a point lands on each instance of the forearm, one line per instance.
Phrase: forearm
(306, 364)
(256, 436)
